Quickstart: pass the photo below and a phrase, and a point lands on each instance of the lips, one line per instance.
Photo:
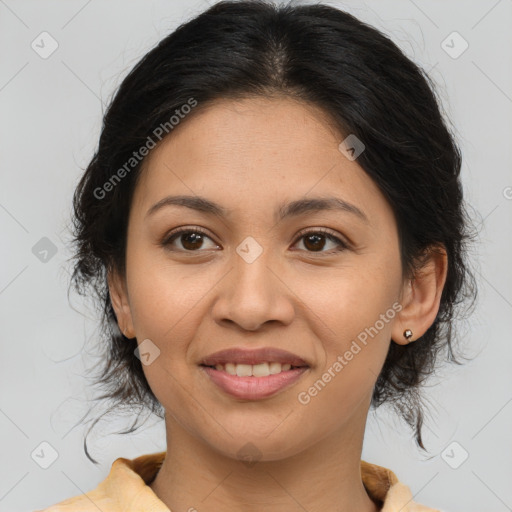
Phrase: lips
(253, 388)
(253, 357)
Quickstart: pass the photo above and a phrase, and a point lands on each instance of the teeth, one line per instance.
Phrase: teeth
(230, 368)
(275, 368)
(260, 370)
(243, 370)
(255, 370)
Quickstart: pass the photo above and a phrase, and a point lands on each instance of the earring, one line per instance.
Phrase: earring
(408, 335)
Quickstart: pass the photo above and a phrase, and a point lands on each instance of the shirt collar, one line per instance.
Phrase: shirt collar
(127, 487)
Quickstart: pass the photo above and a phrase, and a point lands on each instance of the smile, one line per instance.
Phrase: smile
(253, 382)
(256, 370)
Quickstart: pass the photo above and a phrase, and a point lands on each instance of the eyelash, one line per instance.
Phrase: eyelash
(173, 235)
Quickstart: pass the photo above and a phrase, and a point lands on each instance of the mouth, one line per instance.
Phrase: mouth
(253, 374)
(261, 358)
(254, 370)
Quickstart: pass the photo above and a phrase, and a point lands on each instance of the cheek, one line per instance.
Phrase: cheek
(354, 313)
(349, 303)
(166, 308)
(355, 330)
(164, 295)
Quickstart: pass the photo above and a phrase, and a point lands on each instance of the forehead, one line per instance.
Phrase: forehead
(252, 129)
(254, 151)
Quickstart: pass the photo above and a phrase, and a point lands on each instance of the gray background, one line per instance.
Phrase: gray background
(50, 119)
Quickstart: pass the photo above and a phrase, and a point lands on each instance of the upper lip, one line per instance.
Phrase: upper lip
(253, 356)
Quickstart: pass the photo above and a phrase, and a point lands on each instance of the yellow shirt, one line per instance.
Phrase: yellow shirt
(126, 489)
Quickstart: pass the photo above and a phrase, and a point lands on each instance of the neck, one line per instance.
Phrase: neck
(325, 476)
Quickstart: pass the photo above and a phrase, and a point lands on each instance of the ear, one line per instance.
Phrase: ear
(120, 303)
(421, 296)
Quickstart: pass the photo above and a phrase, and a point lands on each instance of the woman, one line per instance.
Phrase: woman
(274, 224)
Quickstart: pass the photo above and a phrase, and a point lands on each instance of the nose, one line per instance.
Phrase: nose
(253, 294)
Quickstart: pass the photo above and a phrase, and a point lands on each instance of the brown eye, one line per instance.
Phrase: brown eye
(190, 239)
(315, 241)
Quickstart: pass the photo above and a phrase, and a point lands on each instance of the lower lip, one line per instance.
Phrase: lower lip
(253, 388)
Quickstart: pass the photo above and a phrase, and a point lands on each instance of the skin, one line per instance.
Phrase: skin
(249, 156)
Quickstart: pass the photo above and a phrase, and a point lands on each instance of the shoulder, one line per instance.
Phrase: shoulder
(384, 487)
(124, 487)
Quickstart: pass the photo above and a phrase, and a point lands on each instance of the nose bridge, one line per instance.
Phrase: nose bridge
(253, 274)
(253, 294)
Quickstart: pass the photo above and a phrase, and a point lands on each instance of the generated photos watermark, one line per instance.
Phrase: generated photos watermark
(304, 397)
(137, 156)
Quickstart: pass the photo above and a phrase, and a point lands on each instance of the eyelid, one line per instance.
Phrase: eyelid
(341, 242)
(185, 229)
(325, 231)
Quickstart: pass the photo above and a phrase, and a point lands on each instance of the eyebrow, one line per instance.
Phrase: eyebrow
(291, 209)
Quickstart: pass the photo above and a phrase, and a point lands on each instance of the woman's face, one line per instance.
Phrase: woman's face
(260, 275)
